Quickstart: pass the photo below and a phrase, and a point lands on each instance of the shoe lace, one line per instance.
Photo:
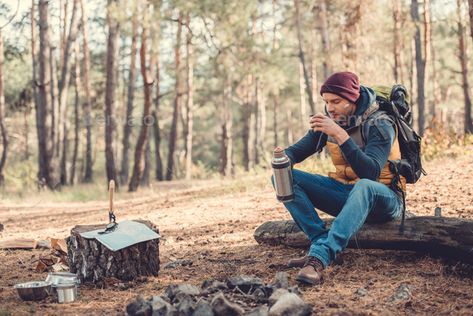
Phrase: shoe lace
(314, 262)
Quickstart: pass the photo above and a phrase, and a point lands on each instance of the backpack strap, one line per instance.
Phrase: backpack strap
(371, 119)
(395, 183)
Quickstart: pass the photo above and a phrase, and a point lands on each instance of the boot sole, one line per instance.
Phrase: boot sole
(305, 280)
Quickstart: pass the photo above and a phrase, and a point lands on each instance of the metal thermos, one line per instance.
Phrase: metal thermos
(282, 176)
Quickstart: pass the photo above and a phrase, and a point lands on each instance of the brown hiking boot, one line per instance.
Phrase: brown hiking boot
(312, 272)
(297, 262)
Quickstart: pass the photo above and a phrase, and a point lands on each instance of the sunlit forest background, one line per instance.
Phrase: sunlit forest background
(144, 91)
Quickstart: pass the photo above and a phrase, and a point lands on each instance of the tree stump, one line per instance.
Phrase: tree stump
(93, 262)
(440, 236)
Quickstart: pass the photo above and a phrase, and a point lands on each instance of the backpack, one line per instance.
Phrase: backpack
(394, 101)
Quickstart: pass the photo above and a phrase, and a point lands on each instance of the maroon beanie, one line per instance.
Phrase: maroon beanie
(344, 84)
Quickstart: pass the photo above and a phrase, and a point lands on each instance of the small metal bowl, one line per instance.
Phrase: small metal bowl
(33, 291)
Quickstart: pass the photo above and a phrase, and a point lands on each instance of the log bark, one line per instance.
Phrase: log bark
(93, 262)
(442, 236)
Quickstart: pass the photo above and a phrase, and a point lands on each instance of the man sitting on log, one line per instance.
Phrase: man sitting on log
(360, 139)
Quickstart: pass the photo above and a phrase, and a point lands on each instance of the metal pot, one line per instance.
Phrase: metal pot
(33, 291)
(66, 292)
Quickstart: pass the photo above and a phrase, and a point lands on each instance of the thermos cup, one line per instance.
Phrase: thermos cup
(282, 175)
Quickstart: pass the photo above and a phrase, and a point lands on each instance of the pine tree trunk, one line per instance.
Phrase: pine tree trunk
(313, 69)
(427, 50)
(157, 132)
(88, 173)
(302, 104)
(128, 126)
(148, 82)
(247, 126)
(177, 102)
(147, 161)
(327, 64)
(33, 64)
(54, 101)
(157, 144)
(470, 13)
(397, 42)
(257, 125)
(226, 150)
(435, 85)
(63, 10)
(468, 125)
(64, 88)
(308, 85)
(77, 85)
(190, 102)
(289, 132)
(419, 66)
(261, 120)
(27, 131)
(47, 163)
(412, 81)
(3, 129)
(112, 47)
(276, 119)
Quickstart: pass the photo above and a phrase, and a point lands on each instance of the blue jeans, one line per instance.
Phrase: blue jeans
(351, 205)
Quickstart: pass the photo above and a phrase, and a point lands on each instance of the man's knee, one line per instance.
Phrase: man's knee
(364, 184)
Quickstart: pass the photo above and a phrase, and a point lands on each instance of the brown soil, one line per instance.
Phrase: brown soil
(212, 224)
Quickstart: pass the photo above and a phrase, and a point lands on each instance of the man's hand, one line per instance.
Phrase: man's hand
(324, 124)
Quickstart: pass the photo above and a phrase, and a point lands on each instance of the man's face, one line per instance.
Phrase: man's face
(338, 108)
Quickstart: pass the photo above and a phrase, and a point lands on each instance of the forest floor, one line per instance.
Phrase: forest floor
(212, 224)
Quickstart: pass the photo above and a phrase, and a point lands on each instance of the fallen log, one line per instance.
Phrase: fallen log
(441, 236)
(94, 262)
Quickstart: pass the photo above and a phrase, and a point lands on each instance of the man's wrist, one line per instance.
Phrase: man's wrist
(341, 137)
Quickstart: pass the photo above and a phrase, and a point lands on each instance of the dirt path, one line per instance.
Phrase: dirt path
(212, 224)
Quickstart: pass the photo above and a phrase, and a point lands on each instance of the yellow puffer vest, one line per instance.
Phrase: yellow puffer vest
(343, 171)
